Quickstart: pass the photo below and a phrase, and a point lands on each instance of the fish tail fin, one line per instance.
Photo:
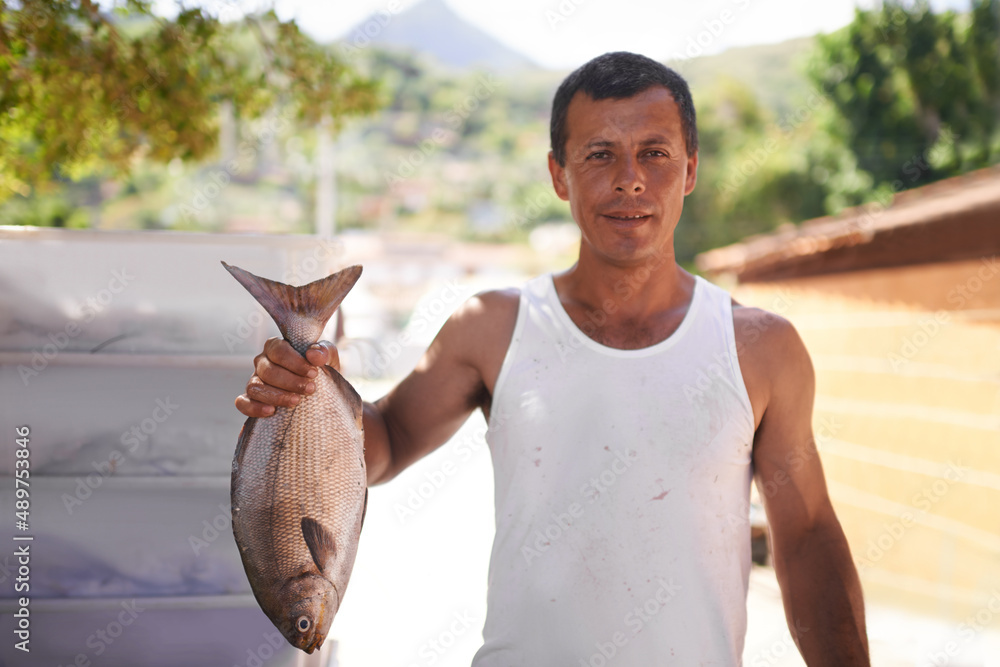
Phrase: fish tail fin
(300, 312)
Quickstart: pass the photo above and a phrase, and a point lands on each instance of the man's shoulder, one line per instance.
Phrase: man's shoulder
(753, 325)
(479, 332)
(769, 346)
(485, 320)
(489, 307)
(498, 299)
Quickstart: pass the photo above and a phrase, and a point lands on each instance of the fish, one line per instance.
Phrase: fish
(299, 482)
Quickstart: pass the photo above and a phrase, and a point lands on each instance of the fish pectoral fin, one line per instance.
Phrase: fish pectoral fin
(364, 511)
(241, 445)
(322, 546)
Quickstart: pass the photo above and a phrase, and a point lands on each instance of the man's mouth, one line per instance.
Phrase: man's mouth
(626, 216)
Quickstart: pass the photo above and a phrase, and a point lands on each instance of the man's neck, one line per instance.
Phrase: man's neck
(638, 304)
(647, 286)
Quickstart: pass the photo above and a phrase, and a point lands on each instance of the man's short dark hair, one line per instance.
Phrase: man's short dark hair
(620, 75)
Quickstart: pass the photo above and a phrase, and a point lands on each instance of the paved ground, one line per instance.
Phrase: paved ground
(896, 638)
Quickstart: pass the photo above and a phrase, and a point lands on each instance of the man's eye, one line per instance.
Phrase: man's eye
(657, 153)
(598, 155)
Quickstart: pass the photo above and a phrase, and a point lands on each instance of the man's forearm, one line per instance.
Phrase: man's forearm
(378, 453)
(823, 599)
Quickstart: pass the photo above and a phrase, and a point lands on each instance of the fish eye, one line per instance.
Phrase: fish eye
(303, 623)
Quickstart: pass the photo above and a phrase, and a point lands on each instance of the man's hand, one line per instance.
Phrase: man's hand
(281, 376)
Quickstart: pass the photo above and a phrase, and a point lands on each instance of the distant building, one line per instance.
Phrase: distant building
(900, 310)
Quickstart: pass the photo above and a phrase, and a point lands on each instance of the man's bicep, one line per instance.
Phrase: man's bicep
(787, 467)
(426, 409)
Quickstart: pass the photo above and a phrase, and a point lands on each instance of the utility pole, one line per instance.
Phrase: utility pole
(326, 182)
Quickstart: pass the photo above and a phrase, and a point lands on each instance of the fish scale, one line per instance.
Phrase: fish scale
(299, 485)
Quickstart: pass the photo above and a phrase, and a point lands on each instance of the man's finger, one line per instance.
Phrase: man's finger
(278, 351)
(252, 408)
(324, 353)
(266, 395)
(275, 376)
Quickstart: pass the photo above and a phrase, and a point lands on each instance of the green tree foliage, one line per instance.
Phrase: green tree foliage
(918, 93)
(85, 92)
(757, 170)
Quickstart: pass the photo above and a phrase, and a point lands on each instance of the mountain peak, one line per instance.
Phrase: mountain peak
(433, 28)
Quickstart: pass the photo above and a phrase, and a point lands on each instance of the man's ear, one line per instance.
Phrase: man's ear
(558, 178)
(692, 173)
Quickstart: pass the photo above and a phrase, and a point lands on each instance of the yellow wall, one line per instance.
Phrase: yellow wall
(908, 383)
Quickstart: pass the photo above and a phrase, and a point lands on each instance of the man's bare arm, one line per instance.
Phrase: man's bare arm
(454, 377)
(819, 583)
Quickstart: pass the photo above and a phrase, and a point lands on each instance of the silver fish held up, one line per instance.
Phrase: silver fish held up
(299, 485)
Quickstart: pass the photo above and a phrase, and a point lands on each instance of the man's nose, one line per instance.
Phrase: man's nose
(629, 178)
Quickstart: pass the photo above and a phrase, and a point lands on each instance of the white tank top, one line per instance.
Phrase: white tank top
(622, 494)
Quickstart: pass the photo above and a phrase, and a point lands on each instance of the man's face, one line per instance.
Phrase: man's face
(625, 158)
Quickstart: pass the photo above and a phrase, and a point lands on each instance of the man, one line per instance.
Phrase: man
(629, 403)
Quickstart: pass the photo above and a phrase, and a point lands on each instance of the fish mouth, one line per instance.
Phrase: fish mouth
(316, 643)
(319, 635)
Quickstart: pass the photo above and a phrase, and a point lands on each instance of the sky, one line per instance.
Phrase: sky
(562, 34)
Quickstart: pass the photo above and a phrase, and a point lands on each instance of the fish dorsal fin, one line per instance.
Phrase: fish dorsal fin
(300, 312)
(321, 544)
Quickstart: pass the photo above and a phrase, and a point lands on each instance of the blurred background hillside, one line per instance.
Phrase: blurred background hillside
(457, 131)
